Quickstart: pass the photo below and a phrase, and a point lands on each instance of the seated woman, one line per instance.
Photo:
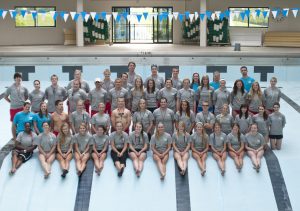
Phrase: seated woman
(161, 146)
(46, 143)
(64, 148)
(138, 145)
(82, 142)
(200, 146)
(255, 146)
(100, 147)
(181, 145)
(218, 146)
(236, 146)
(119, 144)
(23, 147)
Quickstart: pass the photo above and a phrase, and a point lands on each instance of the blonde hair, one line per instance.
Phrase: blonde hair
(203, 135)
(156, 131)
(62, 136)
(252, 93)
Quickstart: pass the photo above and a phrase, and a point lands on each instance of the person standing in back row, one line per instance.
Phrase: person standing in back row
(159, 81)
(131, 72)
(247, 81)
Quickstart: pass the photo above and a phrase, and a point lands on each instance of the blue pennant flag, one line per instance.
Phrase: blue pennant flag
(62, 13)
(257, 12)
(23, 13)
(83, 15)
(103, 15)
(208, 14)
(242, 14)
(14, 14)
(180, 16)
(55, 16)
(202, 16)
(187, 14)
(161, 17)
(96, 18)
(145, 14)
(221, 17)
(247, 13)
(1, 12)
(139, 17)
(76, 16)
(34, 15)
(118, 18)
(285, 13)
(265, 13)
(227, 13)
(125, 14)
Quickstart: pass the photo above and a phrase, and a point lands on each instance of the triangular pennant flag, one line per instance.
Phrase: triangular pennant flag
(285, 12)
(13, 13)
(83, 15)
(265, 13)
(274, 12)
(1, 12)
(93, 14)
(154, 15)
(23, 13)
(72, 15)
(187, 14)
(103, 15)
(4, 12)
(247, 13)
(62, 14)
(242, 14)
(227, 13)
(295, 12)
(253, 13)
(108, 17)
(180, 16)
(133, 18)
(191, 16)
(213, 16)
(125, 15)
(118, 18)
(202, 16)
(258, 12)
(66, 15)
(139, 17)
(170, 16)
(217, 13)
(115, 15)
(145, 14)
(196, 15)
(76, 16)
(34, 14)
(221, 17)
(86, 17)
(161, 17)
(53, 14)
(208, 14)
(175, 14)
(96, 18)
(128, 17)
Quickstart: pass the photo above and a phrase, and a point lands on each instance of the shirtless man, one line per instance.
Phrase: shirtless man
(58, 117)
(121, 114)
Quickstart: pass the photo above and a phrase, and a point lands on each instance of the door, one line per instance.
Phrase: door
(121, 28)
(162, 30)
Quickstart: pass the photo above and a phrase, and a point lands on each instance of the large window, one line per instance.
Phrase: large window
(43, 18)
(253, 21)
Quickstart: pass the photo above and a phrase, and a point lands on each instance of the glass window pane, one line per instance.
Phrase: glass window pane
(258, 21)
(45, 19)
(235, 17)
(27, 21)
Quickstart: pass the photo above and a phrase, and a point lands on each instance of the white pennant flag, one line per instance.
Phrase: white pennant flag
(175, 14)
(52, 13)
(154, 15)
(217, 13)
(86, 17)
(191, 17)
(128, 17)
(72, 15)
(295, 12)
(274, 12)
(108, 17)
(93, 14)
(170, 17)
(66, 15)
(213, 16)
(196, 15)
(115, 15)
(4, 14)
(11, 13)
(253, 13)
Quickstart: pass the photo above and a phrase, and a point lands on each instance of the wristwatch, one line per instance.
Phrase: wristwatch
(24, 150)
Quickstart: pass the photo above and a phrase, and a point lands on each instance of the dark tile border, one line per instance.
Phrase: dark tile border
(277, 180)
(183, 202)
(5, 151)
(290, 102)
(1, 96)
(84, 188)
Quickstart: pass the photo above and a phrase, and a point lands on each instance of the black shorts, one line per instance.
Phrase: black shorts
(101, 151)
(138, 150)
(24, 156)
(275, 136)
(115, 157)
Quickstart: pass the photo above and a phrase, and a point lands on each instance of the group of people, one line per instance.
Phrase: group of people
(131, 116)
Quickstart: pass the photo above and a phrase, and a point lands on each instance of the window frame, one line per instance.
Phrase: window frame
(35, 20)
(248, 24)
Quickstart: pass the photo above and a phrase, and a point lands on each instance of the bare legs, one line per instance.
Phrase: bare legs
(16, 162)
(256, 158)
(221, 161)
(99, 162)
(46, 163)
(276, 144)
(81, 161)
(161, 164)
(64, 163)
(238, 159)
(182, 161)
(201, 160)
(138, 162)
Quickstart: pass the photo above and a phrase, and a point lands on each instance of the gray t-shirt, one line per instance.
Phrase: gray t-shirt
(226, 122)
(177, 83)
(138, 142)
(151, 98)
(254, 141)
(221, 97)
(144, 117)
(26, 140)
(118, 139)
(46, 141)
(276, 123)
(170, 95)
(161, 143)
(188, 95)
(17, 96)
(206, 118)
(107, 85)
(159, 81)
(135, 98)
(53, 94)
(83, 85)
(218, 141)
(74, 97)
(237, 100)
(271, 96)
(65, 146)
(181, 140)
(82, 141)
(234, 141)
(36, 97)
(188, 121)
(204, 94)
(115, 94)
(100, 141)
(97, 96)
(262, 125)
(132, 77)
(77, 118)
(166, 117)
(255, 101)
(98, 120)
(199, 141)
(243, 123)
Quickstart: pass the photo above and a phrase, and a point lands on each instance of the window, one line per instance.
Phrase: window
(252, 22)
(42, 20)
